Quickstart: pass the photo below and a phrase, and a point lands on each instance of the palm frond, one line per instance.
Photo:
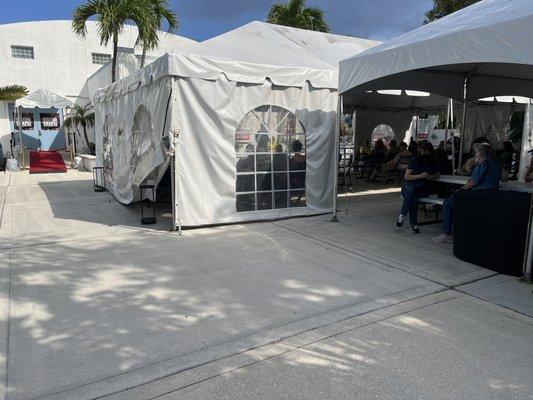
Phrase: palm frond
(12, 92)
(297, 15)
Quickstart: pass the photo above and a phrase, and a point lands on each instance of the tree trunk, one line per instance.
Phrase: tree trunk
(85, 135)
(114, 61)
(143, 57)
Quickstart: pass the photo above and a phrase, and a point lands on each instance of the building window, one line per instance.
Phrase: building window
(22, 52)
(270, 160)
(100, 58)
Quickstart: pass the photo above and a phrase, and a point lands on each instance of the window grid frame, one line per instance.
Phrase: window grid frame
(272, 171)
(98, 58)
(23, 52)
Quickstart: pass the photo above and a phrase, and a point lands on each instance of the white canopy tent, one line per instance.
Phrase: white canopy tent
(250, 119)
(39, 98)
(481, 51)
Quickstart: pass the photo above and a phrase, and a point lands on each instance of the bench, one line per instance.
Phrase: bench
(438, 202)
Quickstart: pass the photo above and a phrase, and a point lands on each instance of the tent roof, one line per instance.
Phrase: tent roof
(43, 98)
(251, 54)
(488, 42)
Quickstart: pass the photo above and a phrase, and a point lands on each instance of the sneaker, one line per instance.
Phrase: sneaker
(443, 238)
(415, 229)
(399, 221)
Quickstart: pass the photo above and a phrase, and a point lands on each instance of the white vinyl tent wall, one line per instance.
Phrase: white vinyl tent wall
(213, 87)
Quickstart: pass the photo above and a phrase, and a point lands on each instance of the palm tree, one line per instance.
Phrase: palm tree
(12, 92)
(111, 17)
(296, 14)
(81, 116)
(161, 12)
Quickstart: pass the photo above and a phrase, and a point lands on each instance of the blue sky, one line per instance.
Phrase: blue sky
(202, 19)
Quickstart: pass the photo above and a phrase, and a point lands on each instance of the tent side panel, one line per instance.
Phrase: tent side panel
(129, 133)
(208, 114)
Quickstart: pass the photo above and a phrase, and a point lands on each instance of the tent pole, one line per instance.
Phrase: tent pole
(336, 159)
(463, 127)
(528, 257)
(172, 184)
(446, 129)
(23, 163)
(453, 136)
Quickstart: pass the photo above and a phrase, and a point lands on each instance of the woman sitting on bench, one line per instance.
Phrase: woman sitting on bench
(421, 169)
(485, 175)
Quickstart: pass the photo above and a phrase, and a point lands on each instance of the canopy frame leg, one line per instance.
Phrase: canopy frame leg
(336, 150)
(463, 125)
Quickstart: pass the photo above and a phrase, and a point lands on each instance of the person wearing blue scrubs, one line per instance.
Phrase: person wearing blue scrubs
(419, 172)
(485, 176)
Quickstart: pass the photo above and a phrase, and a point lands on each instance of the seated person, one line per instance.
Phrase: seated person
(365, 150)
(421, 169)
(529, 172)
(441, 160)
(470, 164)
(402, 154)
(486, 175)
(376, 158)
(297, 163)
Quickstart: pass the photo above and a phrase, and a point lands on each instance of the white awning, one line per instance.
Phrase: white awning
(488, 42)
(43, 98)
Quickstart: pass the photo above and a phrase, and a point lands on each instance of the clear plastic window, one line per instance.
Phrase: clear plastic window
(270, 147)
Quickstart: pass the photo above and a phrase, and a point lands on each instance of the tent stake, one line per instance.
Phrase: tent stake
(336, 160)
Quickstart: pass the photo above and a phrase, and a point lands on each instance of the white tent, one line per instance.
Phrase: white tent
(43, 98)
(39, 98)
(481, 51)
(249, 116)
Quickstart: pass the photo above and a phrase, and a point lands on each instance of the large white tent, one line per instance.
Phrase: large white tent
(249, 116)
(481, 51)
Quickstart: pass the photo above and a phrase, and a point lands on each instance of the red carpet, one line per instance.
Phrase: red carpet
(46, 161)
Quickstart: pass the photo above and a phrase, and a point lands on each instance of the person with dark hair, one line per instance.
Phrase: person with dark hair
(413, 147)
(442, 162)
(506, 159)
(297, 163)
(376, 158)
(420, 170)
(485, 175)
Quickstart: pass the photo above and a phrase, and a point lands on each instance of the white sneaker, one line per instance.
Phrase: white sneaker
(399, 221)
(443, 238)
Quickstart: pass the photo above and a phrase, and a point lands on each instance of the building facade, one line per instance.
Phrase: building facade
(47, 54)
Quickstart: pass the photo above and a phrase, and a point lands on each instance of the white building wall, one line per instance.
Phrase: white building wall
(62, 62)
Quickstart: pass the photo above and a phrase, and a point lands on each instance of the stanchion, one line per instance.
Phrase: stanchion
(98, 179)
(148, 203)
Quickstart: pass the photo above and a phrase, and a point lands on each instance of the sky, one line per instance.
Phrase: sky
(203, 19)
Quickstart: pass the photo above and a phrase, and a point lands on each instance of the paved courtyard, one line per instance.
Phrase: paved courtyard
(96, 306)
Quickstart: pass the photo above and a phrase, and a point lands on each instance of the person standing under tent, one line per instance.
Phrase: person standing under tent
(419, 172)
(485, 176)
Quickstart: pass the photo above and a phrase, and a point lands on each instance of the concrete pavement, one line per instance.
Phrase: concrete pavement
(96, 306)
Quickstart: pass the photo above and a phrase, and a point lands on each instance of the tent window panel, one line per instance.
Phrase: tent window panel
(297, 180)
(245, 183)
(245, 163)
(245, 202)
(270, 160)
(263, 162)
(264, 201)
(280, 162)
(264, 182)
(298, 198)
(280, 181)
(280, 200)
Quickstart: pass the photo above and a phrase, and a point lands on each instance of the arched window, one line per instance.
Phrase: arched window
(383, 132)
(270, 147)
(109, 131)
(141, 137)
